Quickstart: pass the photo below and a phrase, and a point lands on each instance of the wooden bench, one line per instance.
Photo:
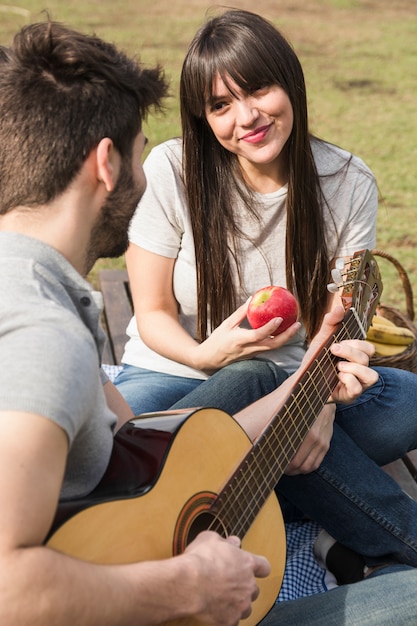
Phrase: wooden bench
(114, 285)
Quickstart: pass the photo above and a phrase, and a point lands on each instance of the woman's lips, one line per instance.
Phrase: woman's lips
(257, 135)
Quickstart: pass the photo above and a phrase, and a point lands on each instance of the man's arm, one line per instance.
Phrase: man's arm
(117, 403)
(214, 580)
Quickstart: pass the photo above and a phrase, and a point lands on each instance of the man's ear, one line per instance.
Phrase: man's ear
(108, 163)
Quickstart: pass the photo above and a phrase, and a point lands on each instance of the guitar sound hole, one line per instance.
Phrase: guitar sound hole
(197, 515)
(205, 521)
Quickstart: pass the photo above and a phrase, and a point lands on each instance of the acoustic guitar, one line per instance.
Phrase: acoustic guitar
(175, 474)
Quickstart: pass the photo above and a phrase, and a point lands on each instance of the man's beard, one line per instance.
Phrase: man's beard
(109, 237)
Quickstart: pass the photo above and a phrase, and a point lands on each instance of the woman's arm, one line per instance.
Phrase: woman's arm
(155, 306)
(156, 311)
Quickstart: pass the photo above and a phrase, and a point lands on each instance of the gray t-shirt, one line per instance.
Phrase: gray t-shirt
(50, 346)
(162, 225)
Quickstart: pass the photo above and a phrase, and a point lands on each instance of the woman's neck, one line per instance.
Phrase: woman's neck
(264, 178)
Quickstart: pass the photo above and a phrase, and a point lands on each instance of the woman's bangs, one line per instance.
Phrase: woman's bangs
(249, 72)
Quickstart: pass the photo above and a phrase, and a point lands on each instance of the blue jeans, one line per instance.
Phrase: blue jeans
(146, 391)
(388, 600)
(231, 389)
(349, 495)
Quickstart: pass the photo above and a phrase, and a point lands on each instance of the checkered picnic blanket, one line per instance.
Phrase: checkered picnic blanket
(111, 370)
(303, 575)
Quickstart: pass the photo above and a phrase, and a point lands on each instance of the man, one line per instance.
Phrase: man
(71, 110)
(71, 176)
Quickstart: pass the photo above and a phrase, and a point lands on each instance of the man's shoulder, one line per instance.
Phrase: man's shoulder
(50, 362)
(42, 330)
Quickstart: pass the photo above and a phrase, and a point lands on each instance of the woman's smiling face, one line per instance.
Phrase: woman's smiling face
(255, 126)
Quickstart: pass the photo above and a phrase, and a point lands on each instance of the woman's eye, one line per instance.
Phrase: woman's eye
(218, 106)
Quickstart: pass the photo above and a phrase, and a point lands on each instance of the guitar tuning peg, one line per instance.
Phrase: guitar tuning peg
(332, 287)
(340, 263)
(337, 276)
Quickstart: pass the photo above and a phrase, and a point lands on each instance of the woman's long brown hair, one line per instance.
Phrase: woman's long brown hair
(244, 47)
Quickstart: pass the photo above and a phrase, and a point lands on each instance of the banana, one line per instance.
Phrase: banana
(386, 349)
(395, 335)
(379, 320)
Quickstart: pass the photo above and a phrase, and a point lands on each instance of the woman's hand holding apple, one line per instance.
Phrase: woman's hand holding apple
(229, 342)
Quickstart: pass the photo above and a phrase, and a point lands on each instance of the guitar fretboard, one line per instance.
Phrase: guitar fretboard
(241, 499)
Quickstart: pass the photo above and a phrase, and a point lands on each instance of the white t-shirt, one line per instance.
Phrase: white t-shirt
(162, 225)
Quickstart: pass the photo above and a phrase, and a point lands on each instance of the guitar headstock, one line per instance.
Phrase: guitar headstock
(361, 283)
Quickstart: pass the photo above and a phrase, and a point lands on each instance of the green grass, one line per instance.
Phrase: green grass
(359, 58)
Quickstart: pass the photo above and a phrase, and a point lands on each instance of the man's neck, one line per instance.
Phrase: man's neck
(57, 231)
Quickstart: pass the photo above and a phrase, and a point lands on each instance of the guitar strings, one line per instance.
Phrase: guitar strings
(227, 498)
(237, 504)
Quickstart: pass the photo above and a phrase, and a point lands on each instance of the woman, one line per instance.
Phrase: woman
(250, 198)
(240, 212)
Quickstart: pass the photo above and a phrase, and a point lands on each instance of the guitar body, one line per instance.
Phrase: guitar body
(202, 456)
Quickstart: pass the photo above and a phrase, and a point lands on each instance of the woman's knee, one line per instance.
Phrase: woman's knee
(266, 373)
(146, 390)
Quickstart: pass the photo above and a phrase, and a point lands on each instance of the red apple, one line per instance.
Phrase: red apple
(270, 302)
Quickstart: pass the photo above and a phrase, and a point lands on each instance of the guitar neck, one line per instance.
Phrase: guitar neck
(287, 430)
(260, 470)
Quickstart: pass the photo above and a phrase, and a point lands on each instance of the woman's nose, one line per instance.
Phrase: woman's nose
(247, 112)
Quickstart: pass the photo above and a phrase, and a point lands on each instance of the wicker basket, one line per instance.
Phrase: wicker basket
(406, 360)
